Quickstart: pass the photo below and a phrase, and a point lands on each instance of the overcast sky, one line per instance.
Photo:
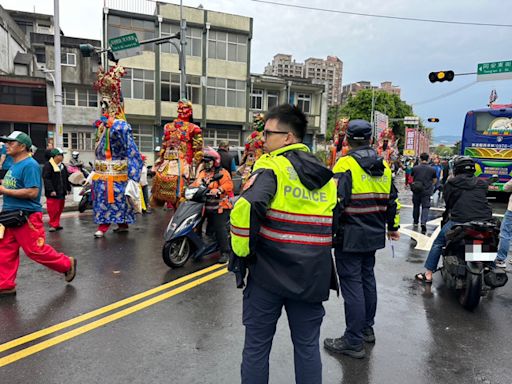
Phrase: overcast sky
(373, 49)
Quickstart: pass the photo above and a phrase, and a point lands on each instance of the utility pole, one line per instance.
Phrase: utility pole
(183, 42)
(58, 77)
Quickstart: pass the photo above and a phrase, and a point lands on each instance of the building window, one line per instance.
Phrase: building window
(138, 84)
(257, 99)
(170, 87)
(272, 99)
(194, 38)
(227, 46)
(79, 97)
(68, 59)
(304, 102)
(143, 136)
(81, 141)
(213, 137)
(225, 92)
(40, 54)
(144, 29)
(23, 96)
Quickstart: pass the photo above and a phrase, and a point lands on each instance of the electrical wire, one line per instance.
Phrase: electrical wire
(444, 95)
(383, 16)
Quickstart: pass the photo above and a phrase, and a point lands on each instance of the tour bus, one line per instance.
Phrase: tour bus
(487, 138)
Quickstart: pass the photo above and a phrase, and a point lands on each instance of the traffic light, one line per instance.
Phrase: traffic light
(441, 76)
(433, 120)
(87, 50)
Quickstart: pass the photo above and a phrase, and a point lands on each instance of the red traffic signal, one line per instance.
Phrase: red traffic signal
(433, 120)
(441, 76)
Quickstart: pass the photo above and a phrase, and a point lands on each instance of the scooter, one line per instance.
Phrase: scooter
(468, 261)
(86, 200)
(183, 238)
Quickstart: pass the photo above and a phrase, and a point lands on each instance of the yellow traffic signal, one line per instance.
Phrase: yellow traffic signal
(441, 76)
(433, 120)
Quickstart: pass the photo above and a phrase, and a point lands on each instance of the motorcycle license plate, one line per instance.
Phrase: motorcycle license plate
(479, 252)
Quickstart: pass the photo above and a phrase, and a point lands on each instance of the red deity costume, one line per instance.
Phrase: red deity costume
(339, 142)
(386, 145)
(253, 148)
(182, 144)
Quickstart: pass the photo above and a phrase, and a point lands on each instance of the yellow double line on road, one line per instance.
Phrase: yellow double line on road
(217, 271)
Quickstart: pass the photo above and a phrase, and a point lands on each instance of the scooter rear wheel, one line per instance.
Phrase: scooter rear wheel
(83, 204)
(176, 252)
(469, 297)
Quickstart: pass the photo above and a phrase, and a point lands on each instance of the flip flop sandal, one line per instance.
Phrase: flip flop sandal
(423, 278)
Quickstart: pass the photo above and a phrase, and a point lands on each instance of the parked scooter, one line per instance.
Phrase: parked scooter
(183, 237)
(468, 261)
(86, 200)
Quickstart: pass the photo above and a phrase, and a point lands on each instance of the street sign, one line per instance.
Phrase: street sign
(411, 120)
(121, 43)
(498, 70)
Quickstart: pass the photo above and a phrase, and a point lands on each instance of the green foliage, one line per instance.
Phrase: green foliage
(456, 148)
(443, 151)
(322, 156)
(360, 106)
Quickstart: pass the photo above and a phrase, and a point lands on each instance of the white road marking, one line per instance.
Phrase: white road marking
(423, 242)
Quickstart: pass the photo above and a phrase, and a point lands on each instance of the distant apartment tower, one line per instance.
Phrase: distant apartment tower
(330, 71)
(283, 66)
(352, 89)
(318, 70)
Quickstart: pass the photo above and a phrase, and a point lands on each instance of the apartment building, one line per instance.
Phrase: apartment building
(283, 66)
(269, 91)
(353, 88)
(217, 66)
(319, 70)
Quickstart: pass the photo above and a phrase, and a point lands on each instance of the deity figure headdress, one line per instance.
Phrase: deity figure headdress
(108, 84)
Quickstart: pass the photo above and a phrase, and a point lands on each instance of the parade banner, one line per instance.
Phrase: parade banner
(410, 142)
(381, 123)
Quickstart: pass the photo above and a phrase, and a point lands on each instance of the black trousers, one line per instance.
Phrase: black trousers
(423, 201)
(218, 224)
(359, 291)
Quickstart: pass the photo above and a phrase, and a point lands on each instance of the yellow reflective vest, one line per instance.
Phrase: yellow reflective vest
(286, 225)
(373, 203)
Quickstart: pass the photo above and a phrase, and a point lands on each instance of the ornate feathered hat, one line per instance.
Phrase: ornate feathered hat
(108, 84)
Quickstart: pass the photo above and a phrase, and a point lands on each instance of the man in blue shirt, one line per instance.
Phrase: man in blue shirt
(21, 191)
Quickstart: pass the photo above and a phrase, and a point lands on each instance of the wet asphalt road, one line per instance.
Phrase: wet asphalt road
(192, 333)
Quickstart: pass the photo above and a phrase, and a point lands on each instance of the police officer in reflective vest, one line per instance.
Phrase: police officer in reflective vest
(281, 226)
(370, 201)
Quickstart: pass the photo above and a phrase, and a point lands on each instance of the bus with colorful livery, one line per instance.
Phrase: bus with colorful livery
(487, 138)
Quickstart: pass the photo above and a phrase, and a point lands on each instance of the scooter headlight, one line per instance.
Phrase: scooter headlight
(186, 223)
(190, 192)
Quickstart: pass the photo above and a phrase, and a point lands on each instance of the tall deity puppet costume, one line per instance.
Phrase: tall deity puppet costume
(118, 159)
(339, 142)
(253, 148)
(182, 148)
(386, 145)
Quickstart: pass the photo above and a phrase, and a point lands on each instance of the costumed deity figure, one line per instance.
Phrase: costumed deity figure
(253, 148)
(339, 142)
(182, 148)
(386, 145)
(118, 161)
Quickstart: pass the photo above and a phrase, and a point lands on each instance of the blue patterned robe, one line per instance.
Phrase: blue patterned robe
(123, 147)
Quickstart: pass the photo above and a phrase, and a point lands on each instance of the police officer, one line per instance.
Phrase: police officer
(370, 201)
(281, 225)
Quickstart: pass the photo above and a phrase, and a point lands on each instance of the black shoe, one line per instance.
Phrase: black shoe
(71, 273)
(59, 228)
(369, 335)
(415, 224)
(340, 345)
(423, 229)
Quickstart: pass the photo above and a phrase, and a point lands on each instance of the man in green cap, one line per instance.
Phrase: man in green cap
(56, 187)
(21, 191)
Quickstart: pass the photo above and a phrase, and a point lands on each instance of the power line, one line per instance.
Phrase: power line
(384, 16)
(444, 95)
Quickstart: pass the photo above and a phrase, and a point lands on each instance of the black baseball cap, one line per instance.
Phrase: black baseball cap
(359, 130)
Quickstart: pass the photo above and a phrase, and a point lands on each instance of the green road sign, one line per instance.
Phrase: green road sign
(123, 42)
(498, 70)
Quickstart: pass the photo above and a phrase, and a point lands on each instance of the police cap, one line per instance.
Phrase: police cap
(359, 130)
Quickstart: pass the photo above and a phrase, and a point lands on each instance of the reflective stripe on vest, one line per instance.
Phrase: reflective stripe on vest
(242, 232)
(366, 196)
(351, 210)
(295, 237)
(295, 218)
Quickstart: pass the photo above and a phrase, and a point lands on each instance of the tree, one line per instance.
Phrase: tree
(360, 106)
(443, 151)
(456, 148)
